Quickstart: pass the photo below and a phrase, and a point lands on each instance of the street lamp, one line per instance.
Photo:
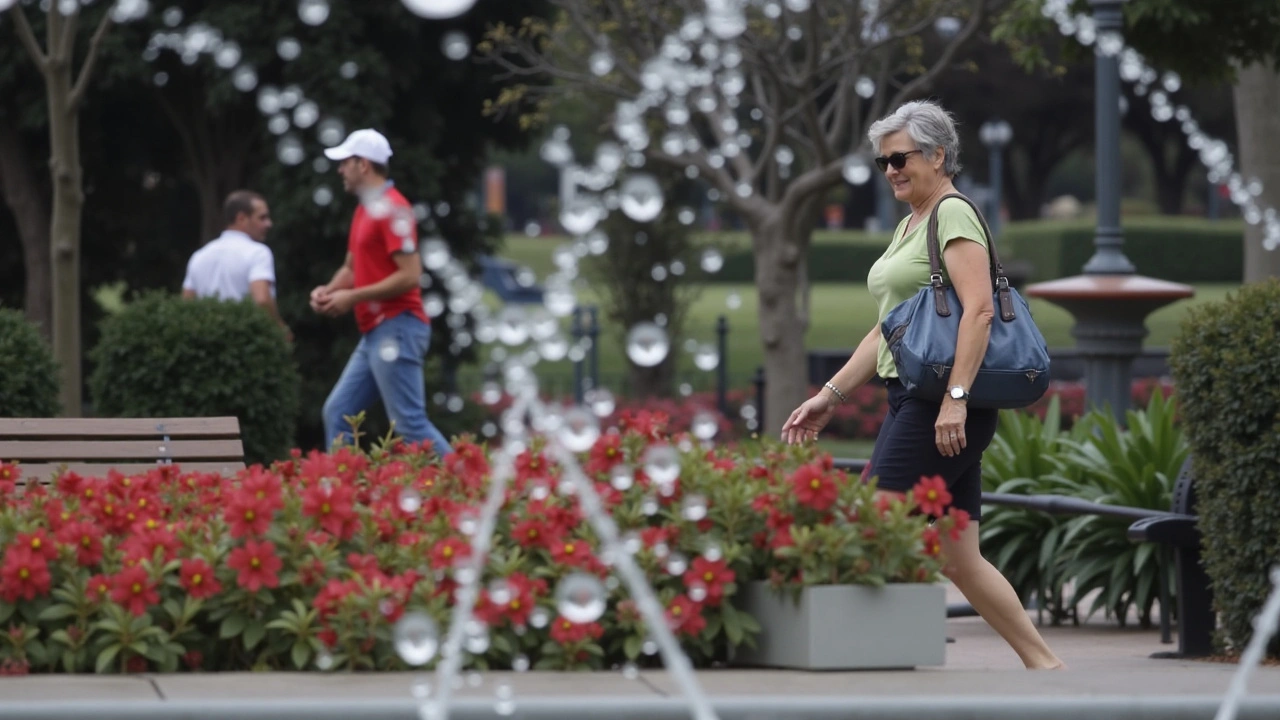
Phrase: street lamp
(995, 134)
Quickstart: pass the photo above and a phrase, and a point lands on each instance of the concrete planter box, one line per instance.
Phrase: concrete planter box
(847, 627)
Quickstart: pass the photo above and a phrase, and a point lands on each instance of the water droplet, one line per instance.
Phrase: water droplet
(856, 169)
(647, 344)
(556, 151)
(475, 679)
(601, 62)
(468, 522)
(704, 425)
(712, 260)
(505, 704)
(410, 500)
(622, 477)
(725, 18)
(520, 663)
(602, 402)
(330, 131)
(512, 328)
(579, 430)
(733, 301)
(438, 9)
(349, 70)
(630, 671)
(290, 151)
(288, 48)
(244, 78)
(650, 647)
(677, 563)
(227, 55)
(389, 350)
(455, 45)
(641, 197)
(313, 12)
(1109, 44)
(416, 638)
(324, 660)
(712, 551)
(421, 689)
(477, 637)
(662, 464)
(697, 592)
(539, 617)
(580, 598)
(649, 506)
(694, 508)
(706, 358)
(580, 215)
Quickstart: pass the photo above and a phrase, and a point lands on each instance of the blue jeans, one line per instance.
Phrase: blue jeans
(386, 363)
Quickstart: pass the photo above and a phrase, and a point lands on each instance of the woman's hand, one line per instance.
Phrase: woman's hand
(949, 428)
(806, 420)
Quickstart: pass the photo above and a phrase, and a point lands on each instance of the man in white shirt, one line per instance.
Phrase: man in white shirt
(238, 262)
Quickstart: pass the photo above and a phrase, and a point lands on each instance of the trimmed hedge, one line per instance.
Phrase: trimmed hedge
(1227, 371)
(163, 356)
(1189, 250)
(28, 374)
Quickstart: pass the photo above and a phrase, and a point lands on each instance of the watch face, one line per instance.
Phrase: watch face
(957, 393)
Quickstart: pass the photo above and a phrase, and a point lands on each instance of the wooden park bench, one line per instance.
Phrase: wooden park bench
(92, 446)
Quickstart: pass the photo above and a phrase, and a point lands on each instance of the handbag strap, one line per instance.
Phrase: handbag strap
(999, 281)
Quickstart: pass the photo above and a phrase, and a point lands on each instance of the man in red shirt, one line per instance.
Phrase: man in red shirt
(379, 281)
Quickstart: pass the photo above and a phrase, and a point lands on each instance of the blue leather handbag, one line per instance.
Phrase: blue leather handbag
(921, 334)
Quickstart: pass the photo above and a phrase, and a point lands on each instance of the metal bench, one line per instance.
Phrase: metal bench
(1176, 531)
(45, 447)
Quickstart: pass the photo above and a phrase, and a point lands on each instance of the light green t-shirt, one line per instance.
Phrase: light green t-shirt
(904, 267)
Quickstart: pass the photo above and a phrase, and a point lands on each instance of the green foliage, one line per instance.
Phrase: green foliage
(28, 374)
(1199, 39)
(1096, 461)
(1227, 371)
(166, 357)
(1188, 250)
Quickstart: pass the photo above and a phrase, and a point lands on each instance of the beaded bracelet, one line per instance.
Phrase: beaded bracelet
(836, 390)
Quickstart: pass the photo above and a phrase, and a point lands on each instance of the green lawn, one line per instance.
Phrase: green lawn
(841, 315)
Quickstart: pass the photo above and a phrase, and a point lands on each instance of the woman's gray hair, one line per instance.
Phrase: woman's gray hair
(929, 126)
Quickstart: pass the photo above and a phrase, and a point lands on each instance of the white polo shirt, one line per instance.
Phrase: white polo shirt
(226, 265)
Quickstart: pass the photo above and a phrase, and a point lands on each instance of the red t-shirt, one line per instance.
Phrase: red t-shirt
(372, 243)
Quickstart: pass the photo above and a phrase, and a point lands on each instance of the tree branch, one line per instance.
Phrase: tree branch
(28, 38)
(90, 59)
(922, 81)
(66, 48)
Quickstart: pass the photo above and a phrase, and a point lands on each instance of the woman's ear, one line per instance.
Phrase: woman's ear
(939, 159)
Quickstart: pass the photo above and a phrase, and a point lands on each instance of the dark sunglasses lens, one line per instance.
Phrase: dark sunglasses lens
(898, 160)
(882, 163)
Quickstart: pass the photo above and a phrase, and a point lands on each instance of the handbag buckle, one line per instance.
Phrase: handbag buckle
(1032, 375)
(1002, 283)
(935, 279)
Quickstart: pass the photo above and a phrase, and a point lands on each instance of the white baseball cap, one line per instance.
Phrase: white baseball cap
(368, 144)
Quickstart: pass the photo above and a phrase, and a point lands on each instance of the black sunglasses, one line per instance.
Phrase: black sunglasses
(898, 160)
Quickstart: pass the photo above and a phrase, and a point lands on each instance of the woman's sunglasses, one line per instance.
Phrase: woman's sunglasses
(898, 160)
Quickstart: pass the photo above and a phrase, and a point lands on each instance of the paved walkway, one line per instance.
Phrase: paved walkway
(1105, 662)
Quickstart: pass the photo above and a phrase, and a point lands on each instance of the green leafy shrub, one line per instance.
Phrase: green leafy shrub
(28, 375)
(1227, 369)
(1099, 461)
(166, 357)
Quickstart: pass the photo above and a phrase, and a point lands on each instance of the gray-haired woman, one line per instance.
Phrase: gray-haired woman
(919, 155)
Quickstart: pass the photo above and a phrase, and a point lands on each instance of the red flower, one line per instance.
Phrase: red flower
(134, 590)
(534, 532)
(9, 474)
(86, 538)
(25, 574)
(567, 632)
(710, 575)
(197, 578)
(257, 564)
(531, 466)
(960, 520)
(98, 587)
(932, 542)
(448, 551)
(813, 488)
(246, 515)
(39, 543)
(606, 453)
(572, 552)
(263, 486)
(468, 462)
(515, 604)
(685, 616)
(931, 495)
(332, 506)
(148, 537)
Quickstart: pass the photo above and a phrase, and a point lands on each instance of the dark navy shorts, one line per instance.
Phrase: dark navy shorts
(905, 449)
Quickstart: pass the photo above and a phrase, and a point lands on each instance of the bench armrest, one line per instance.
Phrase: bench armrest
(1177, 531)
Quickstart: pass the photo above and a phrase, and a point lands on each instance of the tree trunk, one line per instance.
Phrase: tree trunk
(1257, 94)
(23, 187)
(782, 328)
(68, 201)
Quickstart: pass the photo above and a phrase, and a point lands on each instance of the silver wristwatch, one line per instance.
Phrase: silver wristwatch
(957, 392)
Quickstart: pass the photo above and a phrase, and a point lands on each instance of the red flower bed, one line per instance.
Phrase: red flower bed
(311, 563)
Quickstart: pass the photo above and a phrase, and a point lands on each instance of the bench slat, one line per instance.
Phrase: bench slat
(46, 472)
(58, 450)
(227, 427)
